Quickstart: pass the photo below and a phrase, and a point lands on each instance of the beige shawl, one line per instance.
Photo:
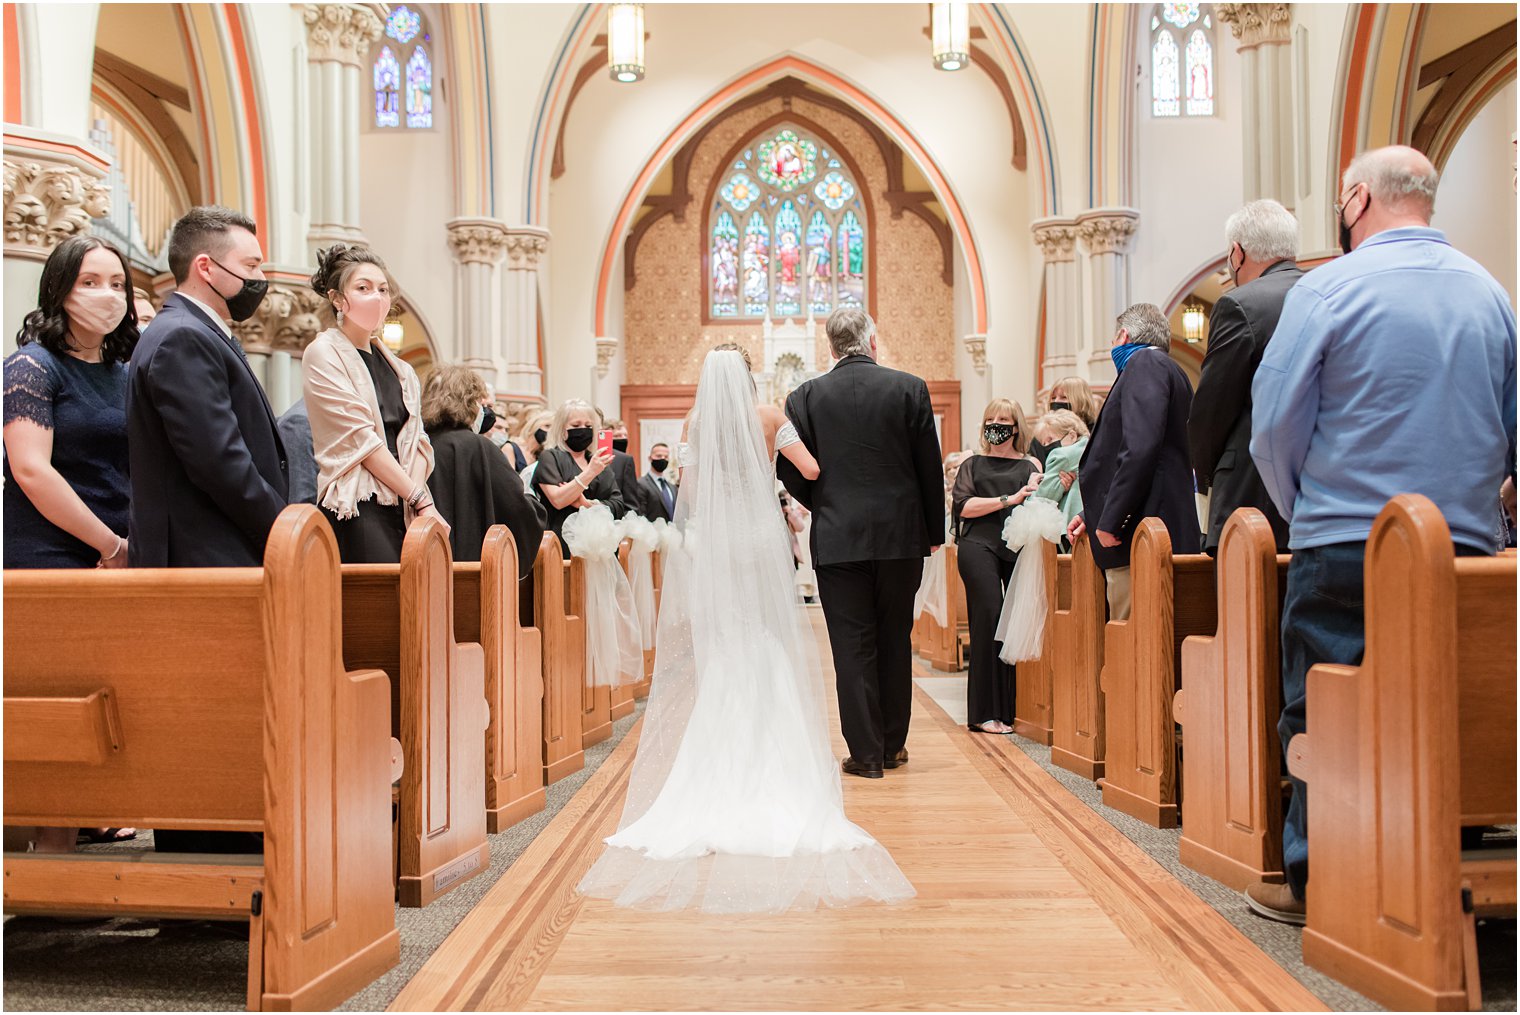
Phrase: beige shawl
(346, 426)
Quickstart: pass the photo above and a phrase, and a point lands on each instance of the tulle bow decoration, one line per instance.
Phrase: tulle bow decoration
(614, 650)
(933, 591)
(670, 536)
(644, 538)
(1021, 628)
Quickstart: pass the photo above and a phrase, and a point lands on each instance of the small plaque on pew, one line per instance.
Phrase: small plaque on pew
(84, 730)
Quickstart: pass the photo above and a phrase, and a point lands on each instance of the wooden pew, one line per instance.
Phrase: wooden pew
(1402, 752)
(1229, 705)
(401, 620)
(486, 611)
(564, 669)
(620, 698)
(1173, 597)
(1076, 699)
(209, 698)
(945, 647)
(595, 702)
(1032, 688)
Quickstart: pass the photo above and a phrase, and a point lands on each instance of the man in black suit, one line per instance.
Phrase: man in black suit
(657, 488)
(1264, 237)
(208, 466)
(1136, 462)
(624, 469)
(878, 507)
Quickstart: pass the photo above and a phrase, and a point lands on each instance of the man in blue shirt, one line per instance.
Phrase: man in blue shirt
(1369, 350)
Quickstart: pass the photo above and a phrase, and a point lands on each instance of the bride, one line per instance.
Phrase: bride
(734, 801)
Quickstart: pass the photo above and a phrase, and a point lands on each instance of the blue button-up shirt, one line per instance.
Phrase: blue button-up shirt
(1392, 370)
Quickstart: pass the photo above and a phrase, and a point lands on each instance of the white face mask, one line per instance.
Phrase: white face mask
(95, 311)
(480, 417)
(499, 438)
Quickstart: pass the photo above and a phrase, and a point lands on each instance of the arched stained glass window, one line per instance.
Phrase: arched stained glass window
(798, 204)
(1182, 73)
(397, 91)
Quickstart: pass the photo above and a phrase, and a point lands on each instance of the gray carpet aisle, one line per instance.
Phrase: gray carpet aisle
(153, 965)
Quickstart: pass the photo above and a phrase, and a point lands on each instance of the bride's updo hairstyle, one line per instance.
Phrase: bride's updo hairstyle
(336, 265)
(736, 347)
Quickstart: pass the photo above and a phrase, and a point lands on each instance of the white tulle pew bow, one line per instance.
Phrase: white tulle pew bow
(643, 538)
(1021, 628)
(614, 653)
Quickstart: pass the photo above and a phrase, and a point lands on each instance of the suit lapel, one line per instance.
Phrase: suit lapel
(237, 350)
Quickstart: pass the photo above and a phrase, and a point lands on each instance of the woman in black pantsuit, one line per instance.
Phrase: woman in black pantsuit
(988, 487)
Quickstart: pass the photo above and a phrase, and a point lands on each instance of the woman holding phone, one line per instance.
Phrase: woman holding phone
(569, 474)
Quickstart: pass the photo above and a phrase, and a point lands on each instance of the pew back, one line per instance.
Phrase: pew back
(1032, 688)
(564, 654)
(1077, 735)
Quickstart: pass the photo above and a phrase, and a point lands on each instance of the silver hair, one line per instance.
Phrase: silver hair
(1265, 230)
(1398, 176)
(1147, 325)
(850, 330)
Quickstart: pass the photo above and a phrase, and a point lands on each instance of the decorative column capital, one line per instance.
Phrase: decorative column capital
(53, 189)
(477, 241)
(606, 348)
(1108, 230)
(526, 246)
(1056, 238)
(286, 321)
(976, 347)
(1257, 24)
(340, 33)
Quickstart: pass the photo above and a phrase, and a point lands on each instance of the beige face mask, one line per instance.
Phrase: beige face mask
(95, 311)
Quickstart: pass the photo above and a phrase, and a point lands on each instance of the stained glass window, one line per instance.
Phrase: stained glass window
(798, 204)
(387, 89)
(1182, 80)
(404, 45)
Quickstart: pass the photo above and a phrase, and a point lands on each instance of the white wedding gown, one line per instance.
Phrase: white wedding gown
(734, 802)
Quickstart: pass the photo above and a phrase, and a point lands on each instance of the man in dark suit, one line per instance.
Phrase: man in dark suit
(624, 469)
(295, 434)
(657, 488)
(1136, 462)
(208, 466)
(878, 507)
(1264, 237)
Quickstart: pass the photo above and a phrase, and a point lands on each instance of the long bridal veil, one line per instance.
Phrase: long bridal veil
(734, 801)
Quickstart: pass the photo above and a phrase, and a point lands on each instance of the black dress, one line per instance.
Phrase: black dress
(556, 466)
(986, 566)
(375, 534)
(85, 406)
(475, 488)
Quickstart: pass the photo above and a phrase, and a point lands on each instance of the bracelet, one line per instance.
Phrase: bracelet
(581, 482)
(419, 499)
(121, 544)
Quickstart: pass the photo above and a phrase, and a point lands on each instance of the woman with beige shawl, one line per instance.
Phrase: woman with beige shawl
(365, 405)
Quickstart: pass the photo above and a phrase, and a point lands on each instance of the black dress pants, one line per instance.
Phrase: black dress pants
(868, 606)
(989, 684)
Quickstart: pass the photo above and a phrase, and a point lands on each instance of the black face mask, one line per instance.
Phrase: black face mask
(488, 421)
(997, 433)
(541, 435)
(620, 444)
(659, 464)
(1057, 406)
(579, 438)
(242, 304)
(1038, 448)
(1345, 230)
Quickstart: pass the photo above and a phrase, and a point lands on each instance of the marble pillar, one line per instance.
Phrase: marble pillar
(1057, 240)
(1107, 235)
(1263, 34)
(338, 39)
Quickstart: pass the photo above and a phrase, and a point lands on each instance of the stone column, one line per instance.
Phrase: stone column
(478, 245)
(524, 378)
(1057, 240)
(54, 190)
(278, 333)
(338, 38)
(607, 382)
(1263, 33)
(1106, 234)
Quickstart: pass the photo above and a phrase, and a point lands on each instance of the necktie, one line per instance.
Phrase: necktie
(670, 502)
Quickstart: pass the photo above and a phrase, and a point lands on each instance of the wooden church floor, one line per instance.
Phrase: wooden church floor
(1026, 900)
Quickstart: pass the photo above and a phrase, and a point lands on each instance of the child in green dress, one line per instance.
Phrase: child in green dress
(1066, 435)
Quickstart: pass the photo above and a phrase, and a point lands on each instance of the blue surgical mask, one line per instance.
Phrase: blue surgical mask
(1122, 353)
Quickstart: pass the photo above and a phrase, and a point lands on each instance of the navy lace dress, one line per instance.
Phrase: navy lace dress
(85, 405)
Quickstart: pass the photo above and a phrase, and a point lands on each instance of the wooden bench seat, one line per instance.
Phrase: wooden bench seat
(212, 699)
(1228, 706)
(487, 611)
(1172, 596)
(401, 619)
(1076, 735)
(1401, 753)
(564, 669)
(1032, 686)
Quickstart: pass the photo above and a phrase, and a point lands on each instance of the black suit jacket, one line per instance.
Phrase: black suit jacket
(626, 471)
(880, 493)
(1136, 464)
(208, 467)
(1219, 426)
(651, 503)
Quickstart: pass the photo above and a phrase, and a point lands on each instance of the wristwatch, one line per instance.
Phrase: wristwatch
(1003, 500)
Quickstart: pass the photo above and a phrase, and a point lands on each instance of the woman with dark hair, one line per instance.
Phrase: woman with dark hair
(66, 488)
(365, 407)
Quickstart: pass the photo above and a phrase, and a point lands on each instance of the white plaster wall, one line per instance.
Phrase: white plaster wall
(960, 118)
(277, 38)
(1475, 204)
(1315, 94)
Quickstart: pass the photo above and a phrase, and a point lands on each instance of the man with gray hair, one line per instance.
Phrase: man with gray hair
(1136, 462)
(878, 507)
(1369, 350)
(1262, 244)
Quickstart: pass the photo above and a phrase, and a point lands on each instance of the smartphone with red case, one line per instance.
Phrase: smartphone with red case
(604, 442)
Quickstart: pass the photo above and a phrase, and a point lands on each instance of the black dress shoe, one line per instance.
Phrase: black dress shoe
(852, 767)
(897, 760)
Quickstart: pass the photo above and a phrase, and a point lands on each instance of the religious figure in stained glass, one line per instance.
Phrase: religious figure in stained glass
(787, 298)
(1165, 80)
(1180, 15)
(756, 264)
(387, 89)
(852, 262)
(725, 267)
(787, 161)
(419, 89)
(820, 288)
(1200, 75)
(1182, 65)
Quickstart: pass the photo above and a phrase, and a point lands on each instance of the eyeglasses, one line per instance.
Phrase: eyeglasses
(1340, 206)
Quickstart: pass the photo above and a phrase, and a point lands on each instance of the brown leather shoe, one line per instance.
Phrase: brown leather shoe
(1275, 902)
(852, 767)
(896, 761)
